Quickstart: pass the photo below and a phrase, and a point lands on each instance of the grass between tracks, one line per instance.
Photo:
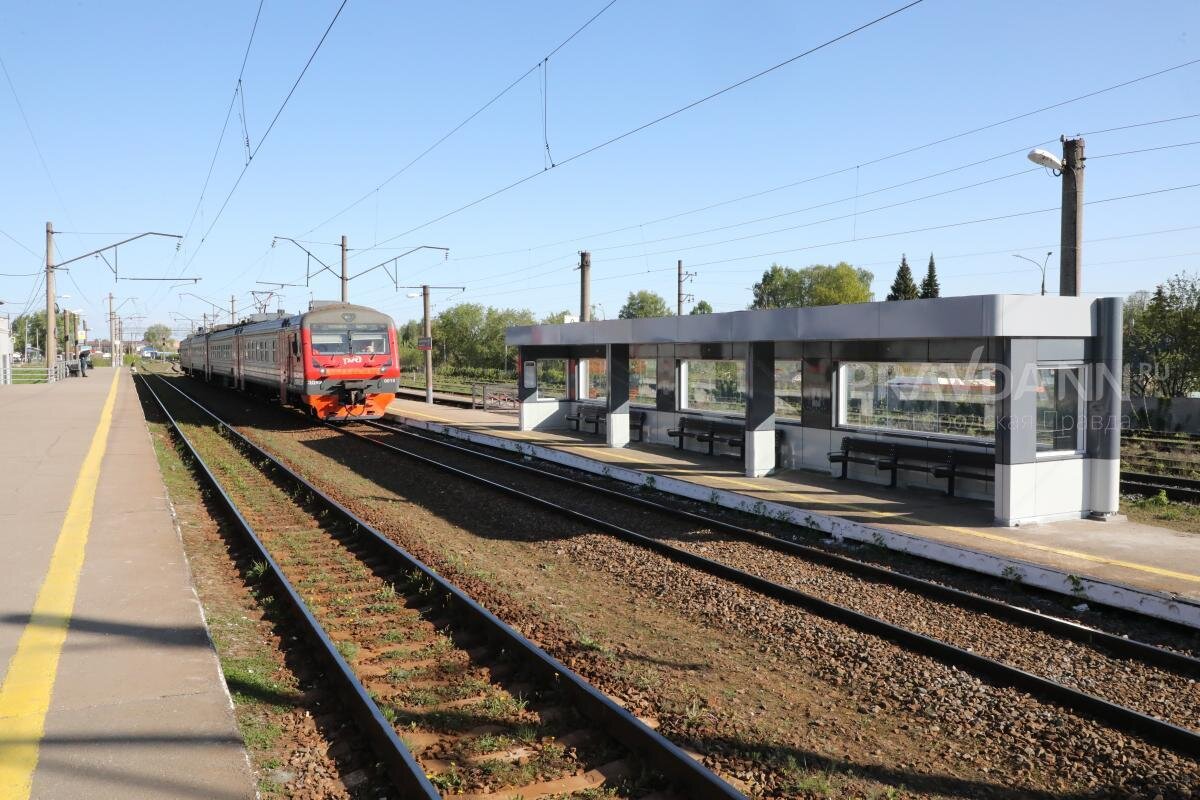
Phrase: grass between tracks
(272, 707)
(1161, 511)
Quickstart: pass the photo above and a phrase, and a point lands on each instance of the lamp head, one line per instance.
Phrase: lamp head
(1045, 159)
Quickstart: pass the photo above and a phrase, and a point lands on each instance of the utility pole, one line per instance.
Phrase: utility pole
(427, 332)
(346, 277)
(232, 312)
(585, 286)
(1070, 280)
(51, 322)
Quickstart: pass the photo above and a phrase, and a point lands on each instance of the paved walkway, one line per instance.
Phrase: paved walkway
(1122, 554)
(111, 688)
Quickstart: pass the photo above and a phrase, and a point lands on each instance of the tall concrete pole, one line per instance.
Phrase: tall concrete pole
(51, 321)
(112, 346)
(679, 283)
(345, 275)
(427, 332)
(1070, 278)
(232, 312)
(585, 286)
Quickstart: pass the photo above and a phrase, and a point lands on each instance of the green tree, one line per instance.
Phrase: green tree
(817, 285)
(36, 323)
(1162, 338)
(702, 307)
(557, 318)
(469, 335)
(930, 287)
(644, 304)
(903, 287)
(158, 336)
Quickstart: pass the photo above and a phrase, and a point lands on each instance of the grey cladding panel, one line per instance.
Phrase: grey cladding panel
(1061, 349)
(776, 325)
(661, 329)
(707, 327)
(859, 321)
(904, 350)
(932, 319)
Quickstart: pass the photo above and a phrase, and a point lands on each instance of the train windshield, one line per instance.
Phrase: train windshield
(353, 339)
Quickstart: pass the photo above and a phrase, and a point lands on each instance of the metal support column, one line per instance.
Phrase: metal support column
(618, 394)
(1104, 412)
(760, 409)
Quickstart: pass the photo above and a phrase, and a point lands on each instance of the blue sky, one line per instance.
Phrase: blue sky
(126, 100)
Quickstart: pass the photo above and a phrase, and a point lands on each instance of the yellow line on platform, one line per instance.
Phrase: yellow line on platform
(29, 682)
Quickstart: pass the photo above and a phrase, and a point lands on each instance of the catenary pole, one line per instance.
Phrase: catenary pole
(585, 286)
(346, 275)
(679, 287)
(427, 332)
(51, 321)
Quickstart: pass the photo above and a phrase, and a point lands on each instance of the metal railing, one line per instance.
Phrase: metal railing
(13, 375)
(494, 396)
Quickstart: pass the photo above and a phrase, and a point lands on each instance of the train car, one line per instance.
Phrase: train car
(337, 360)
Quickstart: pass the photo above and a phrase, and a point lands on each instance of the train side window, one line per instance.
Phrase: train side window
(295, 345)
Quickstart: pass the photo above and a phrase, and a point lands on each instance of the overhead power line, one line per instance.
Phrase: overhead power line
(945, 226)
(851, 168)
(669, 115)
(266, 133)
(1007, 250)
(225, 125)
(854, 214)
(466, 121)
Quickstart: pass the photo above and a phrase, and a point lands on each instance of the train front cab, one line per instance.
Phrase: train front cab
(350, 362)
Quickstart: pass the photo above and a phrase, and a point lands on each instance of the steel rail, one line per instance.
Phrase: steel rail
(700, 782)
(398, 760)
(1179, 739)
(1067, 629)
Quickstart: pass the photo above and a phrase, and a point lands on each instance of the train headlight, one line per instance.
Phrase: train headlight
(324, 371)
(382, 370)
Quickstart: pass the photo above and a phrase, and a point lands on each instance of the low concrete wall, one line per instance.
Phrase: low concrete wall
(1141, 601)
(1175, 414)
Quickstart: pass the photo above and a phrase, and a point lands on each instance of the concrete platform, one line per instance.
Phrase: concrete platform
(1142, 568)
(111, 687)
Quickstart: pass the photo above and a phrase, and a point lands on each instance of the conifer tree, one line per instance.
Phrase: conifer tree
(930, 287)
(903, 288)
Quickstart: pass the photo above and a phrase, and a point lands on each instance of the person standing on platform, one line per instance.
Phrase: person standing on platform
(83, 363)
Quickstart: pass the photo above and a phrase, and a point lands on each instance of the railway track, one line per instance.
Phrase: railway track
(452, 700)
(1057, 660)
(1174, 487)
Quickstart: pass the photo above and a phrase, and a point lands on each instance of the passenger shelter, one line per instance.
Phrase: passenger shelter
(1011, 398)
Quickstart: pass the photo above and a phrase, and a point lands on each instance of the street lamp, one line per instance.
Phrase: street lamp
(1041, 266)
(1070, 169)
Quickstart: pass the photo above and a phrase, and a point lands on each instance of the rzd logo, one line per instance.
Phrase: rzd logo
(354, 360)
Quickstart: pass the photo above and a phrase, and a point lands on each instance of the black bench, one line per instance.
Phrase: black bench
(941, 462)
(597, 416)
(881, 455)
(577, 414)
(687, 428)
(637, 422)
(730, 434)
(975, 465)
(710, 431)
